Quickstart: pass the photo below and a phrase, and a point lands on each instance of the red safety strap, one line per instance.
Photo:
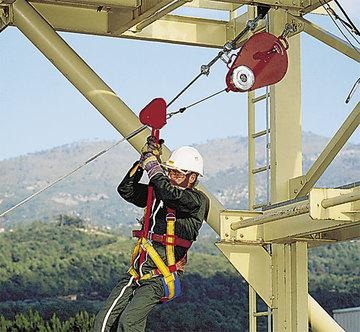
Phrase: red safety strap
(178, 241)
(149, 202)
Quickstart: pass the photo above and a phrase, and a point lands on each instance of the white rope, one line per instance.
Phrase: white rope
(114, 304)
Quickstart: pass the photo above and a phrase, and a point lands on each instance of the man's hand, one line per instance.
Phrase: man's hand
(150, 164)
(152, 147)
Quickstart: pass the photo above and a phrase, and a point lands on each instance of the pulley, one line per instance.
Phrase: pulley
(261, 61)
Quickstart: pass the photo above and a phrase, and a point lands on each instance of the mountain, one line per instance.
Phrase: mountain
(91, 192)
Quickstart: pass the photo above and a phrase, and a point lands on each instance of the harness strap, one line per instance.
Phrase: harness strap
(144, 246)
(168, 276)
(164, 239)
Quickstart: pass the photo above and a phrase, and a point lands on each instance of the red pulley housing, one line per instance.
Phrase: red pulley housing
(261, 61)
(154, 114)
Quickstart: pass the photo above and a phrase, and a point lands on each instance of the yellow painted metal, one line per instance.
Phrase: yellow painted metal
(215, 5)
(301, 186)
(254, 264)
(320, 320)
(238, 23)
(335, 204)
(272, 215)
(42, 35)
(301, 6)
(279, 303)
(339, 200)
(229, 217)
(4, 18)
(146, 10)
(342, 234)
(251, 150)
(252, 310)
(305, 224)
(172, 28)
(299, 286)
(314, 5)
(329, 39)
(161, 13)
(95, 3)
(186, 31)
(333, 207)
(290, 287)
(285, 117)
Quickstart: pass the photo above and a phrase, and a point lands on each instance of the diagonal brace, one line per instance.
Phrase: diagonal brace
(329, 39)
(300, 186)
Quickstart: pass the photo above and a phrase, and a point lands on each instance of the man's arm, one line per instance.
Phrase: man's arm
(184, 200)
(131, 190)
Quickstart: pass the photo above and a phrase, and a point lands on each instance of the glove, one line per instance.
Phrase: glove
(152, 147)
(150, 164)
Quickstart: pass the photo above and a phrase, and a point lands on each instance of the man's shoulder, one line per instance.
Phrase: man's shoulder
(200, 194)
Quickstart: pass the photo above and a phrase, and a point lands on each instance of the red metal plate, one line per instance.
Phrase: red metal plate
(268, 67)
(154, 114)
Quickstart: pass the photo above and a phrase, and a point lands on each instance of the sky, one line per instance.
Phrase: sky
(40, 109)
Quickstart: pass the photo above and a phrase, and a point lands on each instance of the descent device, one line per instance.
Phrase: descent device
(261, 61)
(154, 116)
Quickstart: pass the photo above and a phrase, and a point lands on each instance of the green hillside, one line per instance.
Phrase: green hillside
(64, 269)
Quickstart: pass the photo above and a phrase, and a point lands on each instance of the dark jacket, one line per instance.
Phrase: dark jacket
(191, 206)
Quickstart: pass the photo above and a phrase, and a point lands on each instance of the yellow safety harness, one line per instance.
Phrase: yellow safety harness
(167, 271)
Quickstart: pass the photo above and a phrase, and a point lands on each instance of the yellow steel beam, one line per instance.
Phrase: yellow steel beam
(95, 3)
(146, 10)
(186, 31)
(280, 300)
(173, 29)
(227, 233)
(254, 264)
(251, 150)
(285, 117)
(335, 204)
(214, 5)
(305, 6)
(319, 319)
(329, 39)
(290, 287)
(158, 15)
(294, 220)
(342, 234)
(301, 186)
(299, 286)
(340, 199)
(252, 309)
(314, 4)
(4, 18)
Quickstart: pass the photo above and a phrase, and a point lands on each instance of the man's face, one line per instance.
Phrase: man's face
(180, 179)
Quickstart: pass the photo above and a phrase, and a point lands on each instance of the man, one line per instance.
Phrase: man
(177, 213)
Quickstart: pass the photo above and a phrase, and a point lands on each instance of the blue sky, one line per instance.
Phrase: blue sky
(39, 109)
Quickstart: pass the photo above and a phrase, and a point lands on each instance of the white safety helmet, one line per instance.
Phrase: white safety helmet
(186, 158)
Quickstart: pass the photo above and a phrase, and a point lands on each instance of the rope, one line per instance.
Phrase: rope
(63, 177)
(183, 109)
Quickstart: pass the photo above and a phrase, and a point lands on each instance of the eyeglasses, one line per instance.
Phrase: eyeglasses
(177, 174)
